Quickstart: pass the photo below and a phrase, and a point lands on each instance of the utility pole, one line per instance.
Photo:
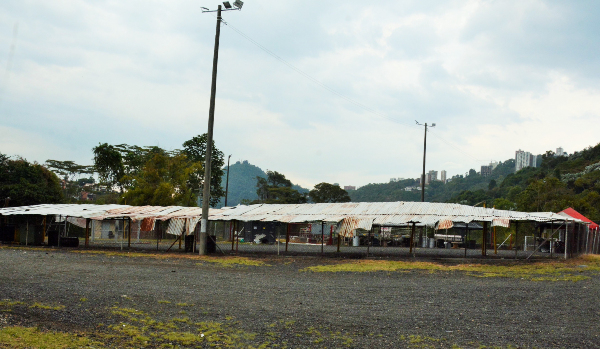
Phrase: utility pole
(211, 120)
(424, 153)
(209, 142)
(227, 181)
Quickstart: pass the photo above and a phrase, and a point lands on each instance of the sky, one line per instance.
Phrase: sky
(321, 91)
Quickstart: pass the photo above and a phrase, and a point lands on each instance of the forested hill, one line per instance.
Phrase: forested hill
(435, 192)
(560, 182)
(242, 183)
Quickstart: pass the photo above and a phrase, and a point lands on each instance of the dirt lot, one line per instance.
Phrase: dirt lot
(118, 299)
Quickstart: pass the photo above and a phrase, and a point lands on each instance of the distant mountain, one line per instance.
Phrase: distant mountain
(242, 183)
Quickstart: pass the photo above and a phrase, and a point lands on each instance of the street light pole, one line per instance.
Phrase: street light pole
(209, 142)
(423, 175)
(424, 153)
(227, 181)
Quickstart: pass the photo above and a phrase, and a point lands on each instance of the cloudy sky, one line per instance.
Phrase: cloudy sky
(318, 90)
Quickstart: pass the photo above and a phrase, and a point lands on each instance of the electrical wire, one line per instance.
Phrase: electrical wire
(314, 80)
(340, 95)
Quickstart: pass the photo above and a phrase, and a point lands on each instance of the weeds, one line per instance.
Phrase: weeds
(571, 270)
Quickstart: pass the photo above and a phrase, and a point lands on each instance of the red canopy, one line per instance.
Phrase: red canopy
(571, 212)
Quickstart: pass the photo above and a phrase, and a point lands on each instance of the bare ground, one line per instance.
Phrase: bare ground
(283, 305)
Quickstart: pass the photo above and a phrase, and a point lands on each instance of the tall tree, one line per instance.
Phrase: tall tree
(164, 181)
(108, 163)
(326, 192)
(27, 184)
(195, 150)
(70, 171)
(276, 189)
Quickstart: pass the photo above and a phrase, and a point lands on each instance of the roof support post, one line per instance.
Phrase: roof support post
(494, 241)
(566, 238)
(516, 237)
(466, 238)
(369, 241)
(551, 241)
(231, 236)
(129, 234)
(484, 239)
(412, 237)
(287, 236)
(339, 243)
(322, 235)
(237, 238)
(87, 232)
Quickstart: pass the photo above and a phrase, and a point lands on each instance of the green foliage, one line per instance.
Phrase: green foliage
(165, 181)
(108, 163)
(276, 189)
(150, 175)
(325, 192)
(195, 150)
(27, 184)
(69, 171)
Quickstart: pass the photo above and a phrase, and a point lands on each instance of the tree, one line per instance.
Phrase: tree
(124, 165)
(195, 150)
(325, 192)
(28, 184)
(69, 170)
(545, 195)
(276, 189)
(164, 181)
(108, 163)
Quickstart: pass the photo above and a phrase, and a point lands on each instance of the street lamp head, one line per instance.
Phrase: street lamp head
(433, 125)
(227, 4)
(238, 4)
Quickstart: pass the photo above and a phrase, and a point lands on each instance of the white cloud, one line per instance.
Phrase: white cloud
(494, 76)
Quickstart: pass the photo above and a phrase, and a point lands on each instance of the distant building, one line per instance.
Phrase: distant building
(486, 171)
(524, 159)
(431, 176)
(443, 176)
(494, 164)
(560, 152)
(349, 187)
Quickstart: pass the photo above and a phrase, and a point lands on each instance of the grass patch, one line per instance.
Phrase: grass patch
(232, 261)
(10, 303)
(139, 329)
(46, 306)
(222, 261)
(30, 337)
(570, 270)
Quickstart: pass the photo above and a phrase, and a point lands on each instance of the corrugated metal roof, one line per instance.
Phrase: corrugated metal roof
(378, 213)
(68, 210)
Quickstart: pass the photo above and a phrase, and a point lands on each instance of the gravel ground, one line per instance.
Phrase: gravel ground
(296, 249)
(286, 306)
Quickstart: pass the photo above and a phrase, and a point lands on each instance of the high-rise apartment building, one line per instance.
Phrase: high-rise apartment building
(486, 170)
(443, 176)
(524, 159)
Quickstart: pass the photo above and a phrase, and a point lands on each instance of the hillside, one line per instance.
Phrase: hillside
(560, 182)
(242, 183)
(435, 192)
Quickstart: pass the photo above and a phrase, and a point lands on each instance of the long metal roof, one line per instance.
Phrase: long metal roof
(362, 214)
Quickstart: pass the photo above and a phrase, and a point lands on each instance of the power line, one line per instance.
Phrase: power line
(314, 80)
(339, 94)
